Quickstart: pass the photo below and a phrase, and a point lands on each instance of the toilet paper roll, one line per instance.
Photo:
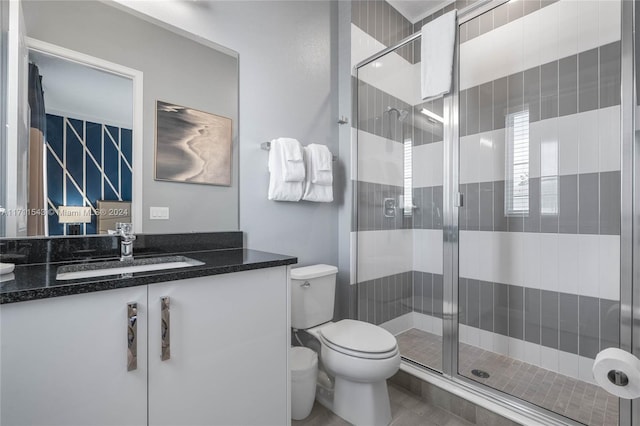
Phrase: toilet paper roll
(618, 372)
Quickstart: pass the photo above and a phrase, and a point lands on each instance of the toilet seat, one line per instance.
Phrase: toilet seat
(359, 339)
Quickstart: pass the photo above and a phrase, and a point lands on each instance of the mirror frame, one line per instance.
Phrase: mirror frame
(137, 129)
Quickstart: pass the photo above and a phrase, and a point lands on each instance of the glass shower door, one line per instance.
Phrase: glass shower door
(539, 229)
(399, 205)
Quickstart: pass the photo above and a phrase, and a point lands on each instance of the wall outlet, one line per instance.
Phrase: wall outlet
(158, 213)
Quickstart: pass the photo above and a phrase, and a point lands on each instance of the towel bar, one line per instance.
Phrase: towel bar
(267, 146)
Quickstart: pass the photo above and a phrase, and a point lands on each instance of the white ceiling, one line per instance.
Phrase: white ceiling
(85, 93)
(415, 10)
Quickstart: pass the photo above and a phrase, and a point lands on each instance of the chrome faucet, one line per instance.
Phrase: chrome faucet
(125, 231)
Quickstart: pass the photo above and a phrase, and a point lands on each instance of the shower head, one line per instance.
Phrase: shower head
(402, 113)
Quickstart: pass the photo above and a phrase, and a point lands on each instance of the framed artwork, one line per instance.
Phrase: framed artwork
(192, 146)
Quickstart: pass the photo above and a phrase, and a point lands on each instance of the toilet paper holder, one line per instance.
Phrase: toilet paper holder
(618, 378)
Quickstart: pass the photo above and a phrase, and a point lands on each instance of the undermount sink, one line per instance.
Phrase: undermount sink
(117, 267)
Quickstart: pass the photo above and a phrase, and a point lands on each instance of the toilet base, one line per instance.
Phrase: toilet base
(363, 404)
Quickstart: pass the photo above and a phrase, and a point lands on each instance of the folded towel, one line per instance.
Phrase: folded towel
(320, 164)
(292, 149)
(292, 164)
(279, 189)
(322, 193)
(438, 43)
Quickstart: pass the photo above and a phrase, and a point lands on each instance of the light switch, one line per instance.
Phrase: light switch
(158, 213)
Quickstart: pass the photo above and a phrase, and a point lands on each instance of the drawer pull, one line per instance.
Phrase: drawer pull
(165, 329)
(132, 336)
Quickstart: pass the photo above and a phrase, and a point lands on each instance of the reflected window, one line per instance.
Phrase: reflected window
(549, 177)
(517, 167)
(408, 178)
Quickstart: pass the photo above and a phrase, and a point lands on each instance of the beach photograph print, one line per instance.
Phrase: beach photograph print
(192, 146)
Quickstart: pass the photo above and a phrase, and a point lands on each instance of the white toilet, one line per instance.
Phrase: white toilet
(360, 356)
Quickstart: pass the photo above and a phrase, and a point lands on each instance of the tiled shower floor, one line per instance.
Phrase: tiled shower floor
(572, 398)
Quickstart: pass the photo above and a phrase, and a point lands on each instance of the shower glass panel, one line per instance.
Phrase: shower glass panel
(539, 230)
(399, 205)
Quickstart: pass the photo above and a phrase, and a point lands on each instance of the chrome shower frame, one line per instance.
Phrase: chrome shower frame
(629, 232)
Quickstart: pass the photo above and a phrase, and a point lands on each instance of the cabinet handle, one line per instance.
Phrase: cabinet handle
(132, 336)
(165, 328)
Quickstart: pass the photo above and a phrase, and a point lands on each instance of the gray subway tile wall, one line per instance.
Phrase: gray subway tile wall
(532, 219)
(383, 299)
(373, 117)
(576, 83)
(610, 75)
(500, 97)
(583, 326)
(501, 309)
(371, 213)
(515, 84)
(473, 110)
(549, 90)
(568, 85)
(589, 317)
(486, 305)
(568, 204)
(532, 302)
(610, 203)
(472, 205)
(437, 295)
(382, 22)
(609, 324)
(549, 308)
(486, 204)
(587, 204)
(516, 312)
(500, 16)
(462, 301)
(473, 303)
(531, 81)
(486, 107)
(568, 323)
(588, 80)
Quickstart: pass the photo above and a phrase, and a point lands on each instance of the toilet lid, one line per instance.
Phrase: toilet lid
(359, 336)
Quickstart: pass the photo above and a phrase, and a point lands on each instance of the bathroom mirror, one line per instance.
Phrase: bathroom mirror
(174, 67)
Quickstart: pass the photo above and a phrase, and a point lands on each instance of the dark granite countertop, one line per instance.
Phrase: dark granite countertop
(38, 280)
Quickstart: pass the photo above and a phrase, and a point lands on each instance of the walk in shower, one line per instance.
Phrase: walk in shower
(491, 231)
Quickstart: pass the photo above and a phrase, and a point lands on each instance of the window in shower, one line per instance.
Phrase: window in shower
(407, 204)
(517, 193)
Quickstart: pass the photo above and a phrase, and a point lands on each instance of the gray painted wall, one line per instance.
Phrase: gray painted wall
(288, 87)
(176, 70)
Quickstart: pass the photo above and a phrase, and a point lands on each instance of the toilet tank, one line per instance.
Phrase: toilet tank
(313, 290)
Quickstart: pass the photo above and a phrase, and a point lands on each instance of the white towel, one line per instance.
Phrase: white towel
(322, 193)
(438, 42)
(293, 166)
(320, 165)
(279, 189)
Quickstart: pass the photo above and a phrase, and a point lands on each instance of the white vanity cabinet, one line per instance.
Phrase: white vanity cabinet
(229, 344)
(64, 360)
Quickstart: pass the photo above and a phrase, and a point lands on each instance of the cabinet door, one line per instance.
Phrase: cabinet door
(229, 343)
(64, 361)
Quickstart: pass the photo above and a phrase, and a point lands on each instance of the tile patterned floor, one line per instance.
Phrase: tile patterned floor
(572, 398)
(406, 410)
